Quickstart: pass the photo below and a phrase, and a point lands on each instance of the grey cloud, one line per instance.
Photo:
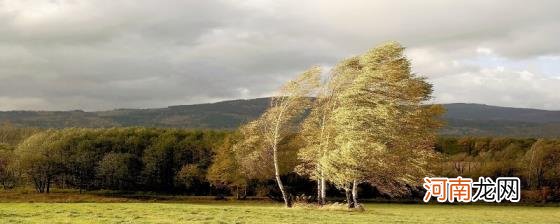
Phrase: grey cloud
(96, 55)
(494, 86)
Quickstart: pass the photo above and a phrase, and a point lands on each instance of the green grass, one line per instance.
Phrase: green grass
(262, 212)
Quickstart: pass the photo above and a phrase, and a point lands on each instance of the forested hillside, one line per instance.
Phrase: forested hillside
(462, 119)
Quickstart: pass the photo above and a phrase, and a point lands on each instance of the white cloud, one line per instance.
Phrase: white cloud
(499, 86)
(484, 51)
(22, 103)
(78, 54)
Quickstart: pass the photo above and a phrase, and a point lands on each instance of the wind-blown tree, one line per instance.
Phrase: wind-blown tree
(385, 132)
(278, 121)
(318, 130)
(243, 156)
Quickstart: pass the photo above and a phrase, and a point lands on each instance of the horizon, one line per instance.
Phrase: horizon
(222, 101)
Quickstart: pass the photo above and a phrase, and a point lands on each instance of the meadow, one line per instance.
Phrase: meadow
(268, 212)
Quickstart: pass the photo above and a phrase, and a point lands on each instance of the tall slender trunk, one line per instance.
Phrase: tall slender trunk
(287, 201)
(319, 191)
(355, 193)
(275, 140)
(323, 193)
(349, 197)
(237, 192)
(323, 189)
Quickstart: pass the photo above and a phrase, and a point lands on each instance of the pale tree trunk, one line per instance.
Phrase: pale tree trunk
(287, 201)
(323, 153)
(323, 189)
(319, 191)
(355, 193)
(237, 192)
(275, 140)
(290, 102)
(322, 178)
(349, 197)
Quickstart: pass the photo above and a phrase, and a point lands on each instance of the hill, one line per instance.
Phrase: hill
(485, 120)
(462, 119)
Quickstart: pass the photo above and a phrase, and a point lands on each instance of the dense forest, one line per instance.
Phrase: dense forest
(165, 160)
(173, 161)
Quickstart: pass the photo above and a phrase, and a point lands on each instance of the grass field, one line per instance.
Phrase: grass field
(263, 212)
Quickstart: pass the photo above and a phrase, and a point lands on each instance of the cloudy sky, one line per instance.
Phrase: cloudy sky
(99, 55)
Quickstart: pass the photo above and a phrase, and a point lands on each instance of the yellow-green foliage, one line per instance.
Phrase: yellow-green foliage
(384, 133)
(266, 133)
(12, 136)
(225, 168)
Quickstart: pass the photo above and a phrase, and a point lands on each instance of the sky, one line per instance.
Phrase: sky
(101, 55)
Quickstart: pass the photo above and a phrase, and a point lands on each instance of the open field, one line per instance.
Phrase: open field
(262, 212)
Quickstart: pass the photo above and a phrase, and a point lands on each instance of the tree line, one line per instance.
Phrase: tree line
(206, 163)
(164, 160)
(535, 161)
